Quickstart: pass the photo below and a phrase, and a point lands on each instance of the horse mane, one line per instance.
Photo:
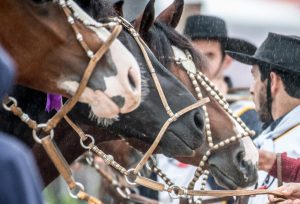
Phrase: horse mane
(168, 36)
(98, 9)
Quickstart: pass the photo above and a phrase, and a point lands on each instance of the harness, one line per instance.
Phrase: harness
(87, 141)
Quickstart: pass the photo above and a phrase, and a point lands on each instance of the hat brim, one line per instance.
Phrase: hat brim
(252, 60)
(243, 58)
(230, 44)
(239, 45)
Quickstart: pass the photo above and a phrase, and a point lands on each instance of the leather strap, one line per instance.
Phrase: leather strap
(219, 193)
(162, 131)
(59, 161)
(279, 169)
(89, 199)
(141, 199)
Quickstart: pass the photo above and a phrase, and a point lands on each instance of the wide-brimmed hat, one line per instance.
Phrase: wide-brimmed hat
(210, 27)
(278, 51)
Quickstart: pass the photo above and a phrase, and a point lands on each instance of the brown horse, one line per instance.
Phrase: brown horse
(39, 36)
(233, 166)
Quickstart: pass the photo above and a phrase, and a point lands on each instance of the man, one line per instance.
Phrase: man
(276, 94)
(20, 181)
(209, 36)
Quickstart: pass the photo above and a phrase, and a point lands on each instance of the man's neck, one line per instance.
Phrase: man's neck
(283, 106)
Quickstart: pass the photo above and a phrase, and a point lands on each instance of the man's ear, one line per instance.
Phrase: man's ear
(276, 83)
(227, 61)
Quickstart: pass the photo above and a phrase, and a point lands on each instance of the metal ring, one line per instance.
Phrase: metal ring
(91, 144)
(10, 99)
(131, 171)
(39, 126)
(80, 188)
(124, 194)
(172, 194)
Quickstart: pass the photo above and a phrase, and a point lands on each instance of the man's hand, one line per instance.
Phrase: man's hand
(291, 191)
(266, 160)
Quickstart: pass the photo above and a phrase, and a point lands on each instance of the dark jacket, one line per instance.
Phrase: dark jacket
(20, 180)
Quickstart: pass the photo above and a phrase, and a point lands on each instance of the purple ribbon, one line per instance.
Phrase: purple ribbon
(54, 101)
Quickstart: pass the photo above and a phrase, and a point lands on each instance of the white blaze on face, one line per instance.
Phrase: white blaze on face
(127, 66)
(251, 152)
(101, 105)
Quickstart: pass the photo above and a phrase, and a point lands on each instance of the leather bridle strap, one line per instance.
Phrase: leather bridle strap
(279, 169)
(162, 131)
(219, 193)
(173, 117)
(87, 74)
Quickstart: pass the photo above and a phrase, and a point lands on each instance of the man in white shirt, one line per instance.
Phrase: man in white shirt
(276, 94)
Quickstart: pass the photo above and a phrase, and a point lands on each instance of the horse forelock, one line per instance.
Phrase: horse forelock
(169, 36)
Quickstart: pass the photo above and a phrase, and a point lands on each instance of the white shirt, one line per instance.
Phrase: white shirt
(284, 138)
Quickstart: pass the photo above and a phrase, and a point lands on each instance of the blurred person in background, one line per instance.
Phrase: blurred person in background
(209, 36)
(20, 180)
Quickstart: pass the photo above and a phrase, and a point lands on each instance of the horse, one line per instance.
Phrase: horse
(234, 166)
(52, 50)
(185, 134)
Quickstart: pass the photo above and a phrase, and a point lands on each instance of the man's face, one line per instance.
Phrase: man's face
(212, 50)
(258, 90)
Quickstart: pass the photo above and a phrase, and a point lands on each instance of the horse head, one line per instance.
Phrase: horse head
(54, 42)
(233, 166)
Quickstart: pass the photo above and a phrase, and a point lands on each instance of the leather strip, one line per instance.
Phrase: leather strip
(59, 161)
(279, 169)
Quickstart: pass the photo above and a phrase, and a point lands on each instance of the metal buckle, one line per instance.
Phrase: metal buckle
(89, 145)
(9, 100)
(40, 126)
(78, 187)
(131, 177)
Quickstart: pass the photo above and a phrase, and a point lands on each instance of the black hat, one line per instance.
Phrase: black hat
(278, 51)
(210, 27)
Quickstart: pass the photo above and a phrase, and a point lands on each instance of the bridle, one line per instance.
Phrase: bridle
(131, 175)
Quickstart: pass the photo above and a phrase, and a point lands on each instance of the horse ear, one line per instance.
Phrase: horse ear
(118, 7)
(172, 14)
(146, 19)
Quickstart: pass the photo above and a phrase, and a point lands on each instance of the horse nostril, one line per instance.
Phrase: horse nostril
(131, 79)
(199, 121)
(240, 159)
